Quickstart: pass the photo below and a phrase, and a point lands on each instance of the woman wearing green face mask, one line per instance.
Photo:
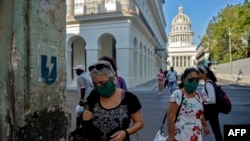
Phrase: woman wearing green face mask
(190, 120)
(110, 108)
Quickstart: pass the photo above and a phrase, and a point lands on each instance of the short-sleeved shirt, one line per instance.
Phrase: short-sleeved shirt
(172, 75)
(107, 121)
(84, 81)
(210, 94)
(188, 124)
(160, 76)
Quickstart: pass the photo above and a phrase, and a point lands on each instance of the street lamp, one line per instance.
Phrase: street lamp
(230, 50)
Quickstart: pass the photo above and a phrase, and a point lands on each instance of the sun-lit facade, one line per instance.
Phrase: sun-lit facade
(130, 31)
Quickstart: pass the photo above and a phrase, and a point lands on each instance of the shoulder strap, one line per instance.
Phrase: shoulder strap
(211, 83)
(177, 113)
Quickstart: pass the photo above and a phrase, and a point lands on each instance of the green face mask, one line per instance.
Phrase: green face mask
(190, 87)
(107, 89)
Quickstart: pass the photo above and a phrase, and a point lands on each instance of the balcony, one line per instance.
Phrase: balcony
(86, 7)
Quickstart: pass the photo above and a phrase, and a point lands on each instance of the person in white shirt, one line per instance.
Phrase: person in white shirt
(84, 84)
(211, 112)
(172, 75)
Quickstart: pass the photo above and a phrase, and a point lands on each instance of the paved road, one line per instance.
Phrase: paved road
(154, 107)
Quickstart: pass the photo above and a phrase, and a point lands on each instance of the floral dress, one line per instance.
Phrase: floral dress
(188, 124)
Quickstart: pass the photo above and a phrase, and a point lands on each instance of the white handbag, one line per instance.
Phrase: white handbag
(160, 136)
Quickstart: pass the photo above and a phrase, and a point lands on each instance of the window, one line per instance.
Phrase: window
(173, 61)
(189, 63)
(110, 5)
(181, 61)
(184, 62)
(79, 7)
(177, 61)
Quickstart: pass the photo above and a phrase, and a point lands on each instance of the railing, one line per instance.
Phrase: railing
(84, 7)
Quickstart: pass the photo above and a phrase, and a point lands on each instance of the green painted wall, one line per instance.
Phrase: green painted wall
(33, 77)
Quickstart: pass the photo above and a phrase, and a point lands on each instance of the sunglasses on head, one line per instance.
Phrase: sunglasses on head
(192, 79)
(99, 67)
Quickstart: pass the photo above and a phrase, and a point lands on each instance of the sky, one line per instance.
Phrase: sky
(200, 12)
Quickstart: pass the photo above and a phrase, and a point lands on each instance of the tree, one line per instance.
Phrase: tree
(237, 18)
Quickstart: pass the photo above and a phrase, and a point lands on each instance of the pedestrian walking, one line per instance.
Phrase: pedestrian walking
(239, 77)
(110, 109)
(211, 111)
(119, 80)
(172, 75)
(185, 117)
(166, 79)
(160, 80)
(84, 83)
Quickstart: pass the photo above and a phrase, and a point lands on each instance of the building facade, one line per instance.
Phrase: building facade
(202, 55)
(181, 48)
(132, 32)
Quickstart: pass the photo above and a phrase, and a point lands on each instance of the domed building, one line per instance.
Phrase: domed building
(181, 48)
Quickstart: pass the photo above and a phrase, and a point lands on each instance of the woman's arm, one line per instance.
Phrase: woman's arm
(204, 124)
(171, 113)
(137, 122)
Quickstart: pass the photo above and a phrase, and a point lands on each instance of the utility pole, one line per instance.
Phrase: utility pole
(230, 50)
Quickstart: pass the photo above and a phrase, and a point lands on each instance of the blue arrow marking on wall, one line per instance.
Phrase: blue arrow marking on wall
(48, 76)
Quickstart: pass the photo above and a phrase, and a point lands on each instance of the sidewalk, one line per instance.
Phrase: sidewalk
(149, 85)
(244, 81)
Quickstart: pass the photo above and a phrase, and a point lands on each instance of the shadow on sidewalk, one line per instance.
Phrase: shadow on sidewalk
(151, 84)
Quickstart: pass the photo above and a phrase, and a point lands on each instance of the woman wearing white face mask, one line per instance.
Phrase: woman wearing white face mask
(109, 108)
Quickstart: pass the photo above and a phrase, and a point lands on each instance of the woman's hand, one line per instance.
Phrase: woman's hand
(118, 136)
(87, 115)
(206, 131)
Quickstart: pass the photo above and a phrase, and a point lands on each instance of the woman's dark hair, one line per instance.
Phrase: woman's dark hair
(185, 74)
(110, 60)
(208, 73)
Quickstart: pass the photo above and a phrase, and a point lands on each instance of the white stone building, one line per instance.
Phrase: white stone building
(181, 48)
(130, 31)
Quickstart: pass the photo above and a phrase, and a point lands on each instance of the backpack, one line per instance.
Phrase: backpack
(222, 100)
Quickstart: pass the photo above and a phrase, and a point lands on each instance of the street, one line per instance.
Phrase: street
(154, 107)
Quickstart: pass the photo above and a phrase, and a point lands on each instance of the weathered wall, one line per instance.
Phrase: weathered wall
(224, 70)
(32, 77)
(6, 105)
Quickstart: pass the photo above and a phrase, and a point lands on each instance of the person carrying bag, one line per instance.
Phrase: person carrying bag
(160, 136)
(190, 121)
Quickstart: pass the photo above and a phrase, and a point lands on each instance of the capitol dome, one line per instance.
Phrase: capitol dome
(181, 18)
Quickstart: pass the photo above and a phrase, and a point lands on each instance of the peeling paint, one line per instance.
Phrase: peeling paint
(15, 55)
(47, 9)
(52, 16)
